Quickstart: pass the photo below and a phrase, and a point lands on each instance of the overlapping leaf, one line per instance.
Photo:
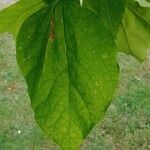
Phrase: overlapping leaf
(12, 17)
(134, 35)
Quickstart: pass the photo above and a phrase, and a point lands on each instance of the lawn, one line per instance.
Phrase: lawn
(125, 127)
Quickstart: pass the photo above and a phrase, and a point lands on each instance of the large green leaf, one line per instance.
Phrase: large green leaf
(68, 57)
(11, 18)
(134, 35)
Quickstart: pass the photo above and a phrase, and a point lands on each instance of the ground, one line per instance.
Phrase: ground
(125, 127)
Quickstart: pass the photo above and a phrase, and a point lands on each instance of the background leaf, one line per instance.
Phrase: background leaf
(11, 18)
(134, 35)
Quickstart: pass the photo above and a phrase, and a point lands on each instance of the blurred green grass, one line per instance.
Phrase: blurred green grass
(125, 127)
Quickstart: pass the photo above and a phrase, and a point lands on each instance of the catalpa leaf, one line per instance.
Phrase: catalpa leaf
(134, 35)
(68, 58)
(111, 11)
(11, 18)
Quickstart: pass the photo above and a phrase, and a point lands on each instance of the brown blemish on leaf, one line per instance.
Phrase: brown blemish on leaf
(52, 30)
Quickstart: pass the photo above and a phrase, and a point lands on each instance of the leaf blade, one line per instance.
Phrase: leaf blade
(75, 84)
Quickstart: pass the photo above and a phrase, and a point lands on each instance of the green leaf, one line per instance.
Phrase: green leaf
(68, 57)
(11, 18)
(134, 35)
(111, 11)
